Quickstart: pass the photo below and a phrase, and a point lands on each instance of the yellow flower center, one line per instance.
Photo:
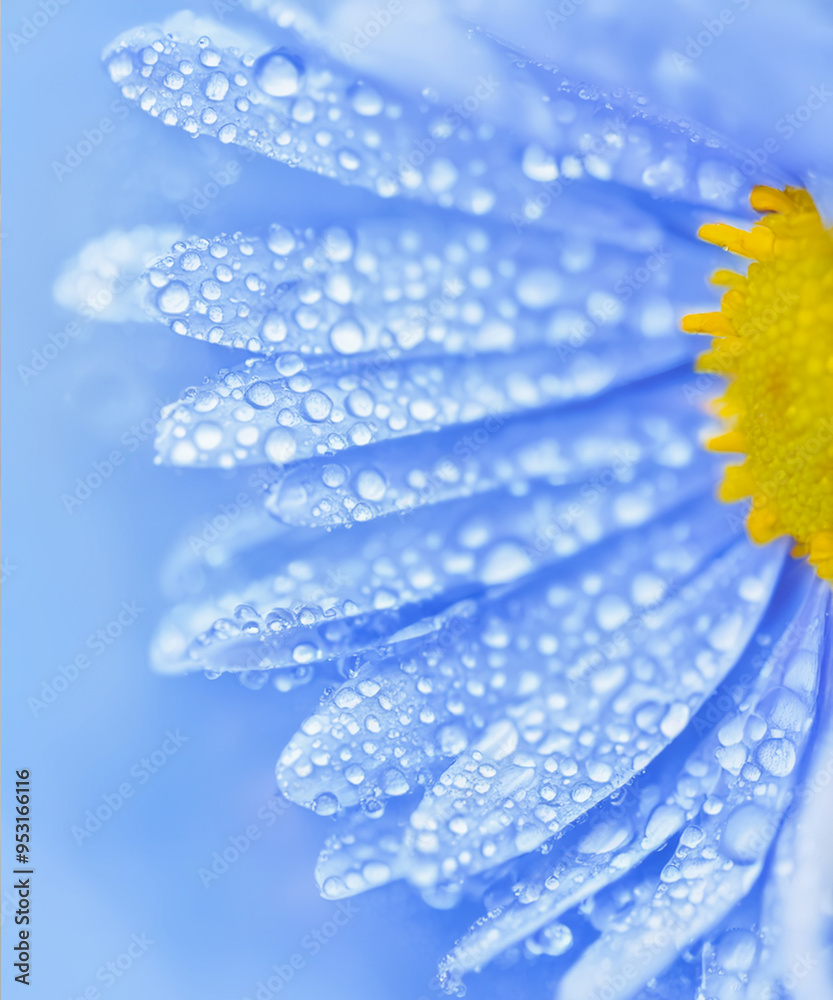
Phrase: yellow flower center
(773, 340)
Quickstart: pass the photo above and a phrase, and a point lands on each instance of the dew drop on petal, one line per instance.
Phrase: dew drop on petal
(216, 87)
(173, 298)
(279, 74)
(365, 100)
(347, 337)
(744, 836)
(777, 757)
(280, 445)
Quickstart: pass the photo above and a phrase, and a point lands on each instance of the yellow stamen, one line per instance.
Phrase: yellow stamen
(773, 340)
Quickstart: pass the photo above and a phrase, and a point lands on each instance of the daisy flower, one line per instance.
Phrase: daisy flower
(479, 489)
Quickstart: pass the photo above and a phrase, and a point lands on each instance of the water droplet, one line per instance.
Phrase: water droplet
(365, 100)
(260, 395)
(452, 740)
(394, 782)
(325, 804)
(207, 436)
(555, 939)
(280, 240)
(745, 835)
(538, 165)
(280, 446)
(173, 298)
(664, 821)
(279, 74)
(347, 337)
(216, 86)
(370, 484)
(538, 288)
(777, 757)
(273, 328)
(317, 405)
(120, 66)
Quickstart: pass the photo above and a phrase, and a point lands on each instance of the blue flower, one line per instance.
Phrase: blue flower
(471, 496)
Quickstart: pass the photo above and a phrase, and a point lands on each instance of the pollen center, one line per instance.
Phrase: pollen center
(773, 341)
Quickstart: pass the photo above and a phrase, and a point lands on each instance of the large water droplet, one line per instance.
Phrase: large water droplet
(278, 73)
(538, 165)
(365, 100)
(317, 405)
(216, 86)
(173, 298)
(347, 337)
(745, 834)
(370, 484)
(280, 240)
(777, 757)
(280, 445)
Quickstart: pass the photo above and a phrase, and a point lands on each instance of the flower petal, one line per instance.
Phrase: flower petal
(296, 104)
(394, 288)
(625, 829)
(719, 857)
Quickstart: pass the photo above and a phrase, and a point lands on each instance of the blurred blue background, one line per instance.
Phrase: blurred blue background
(67, 574)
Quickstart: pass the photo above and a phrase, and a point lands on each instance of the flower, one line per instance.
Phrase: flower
(562, 679)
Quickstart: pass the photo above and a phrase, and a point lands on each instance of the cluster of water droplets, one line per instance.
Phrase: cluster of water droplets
(444, 338)
(509, 755)
(334, 594)
(748, 736)
(391, 289)
(298, 105)
(719, 855)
